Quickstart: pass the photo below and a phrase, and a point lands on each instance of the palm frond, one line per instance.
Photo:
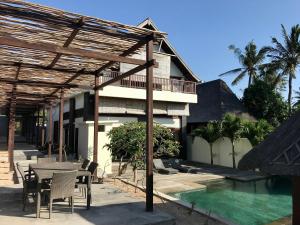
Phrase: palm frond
(231, 72)
(239, 77)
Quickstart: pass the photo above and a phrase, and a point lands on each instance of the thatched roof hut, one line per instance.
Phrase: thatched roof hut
(279, 153)
(215, 99)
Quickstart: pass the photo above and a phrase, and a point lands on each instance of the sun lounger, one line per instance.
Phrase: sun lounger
(160, 167)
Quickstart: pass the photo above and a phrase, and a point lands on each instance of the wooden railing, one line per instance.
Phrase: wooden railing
(159, 84)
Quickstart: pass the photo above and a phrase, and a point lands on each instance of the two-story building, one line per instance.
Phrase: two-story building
(124, 101)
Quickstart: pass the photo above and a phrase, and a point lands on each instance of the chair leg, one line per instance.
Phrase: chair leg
(24, 200)
(85, 192)
(50, 207)
(72, 204)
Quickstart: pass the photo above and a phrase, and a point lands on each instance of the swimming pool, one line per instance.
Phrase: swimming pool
(244, 203)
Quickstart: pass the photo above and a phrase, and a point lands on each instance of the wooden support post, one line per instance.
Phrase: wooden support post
(149, 128)
(43, 128)
(11, 132)
(96, 120)
(38, 127)
(296, 200)
(50, 131)
(32, 129)
(61, 127)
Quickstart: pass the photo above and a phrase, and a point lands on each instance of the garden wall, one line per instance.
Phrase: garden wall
(199, 150)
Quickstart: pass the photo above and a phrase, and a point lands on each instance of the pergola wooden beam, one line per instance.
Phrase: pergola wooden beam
(124, 54)
(46, 68)
(76, 75)
(44, 84)
(68, 41)
(15, 42)
(12, 123)
(33, 95)
(149, 127)
(61, 126)
(127, 74)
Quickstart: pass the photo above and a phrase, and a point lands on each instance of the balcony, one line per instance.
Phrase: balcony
(159, 84)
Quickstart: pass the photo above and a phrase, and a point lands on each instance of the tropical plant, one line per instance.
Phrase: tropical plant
(256, 132)
(270, 74)
(297, 97)
(211, 132)
(286, 56)
(232, 128)
(264, 102)
(250, 61)
(128, 142)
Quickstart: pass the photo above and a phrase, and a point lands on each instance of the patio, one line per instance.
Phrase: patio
(110, 206)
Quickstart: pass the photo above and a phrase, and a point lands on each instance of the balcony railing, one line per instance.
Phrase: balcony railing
(159, 84)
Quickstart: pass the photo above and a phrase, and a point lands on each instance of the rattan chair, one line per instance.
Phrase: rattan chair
(45, 160)
(62, 186)
(85, 164)
(29, 184)
(83, 183)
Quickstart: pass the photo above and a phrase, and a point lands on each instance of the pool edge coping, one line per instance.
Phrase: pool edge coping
(180, 202)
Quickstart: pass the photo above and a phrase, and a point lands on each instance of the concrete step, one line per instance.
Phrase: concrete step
(4, 165)
(6, 182)
(4, 170)
(7, 176)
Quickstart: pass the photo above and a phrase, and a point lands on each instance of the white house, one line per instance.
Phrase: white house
(124, 101)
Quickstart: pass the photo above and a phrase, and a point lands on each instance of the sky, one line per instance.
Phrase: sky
(200, 30)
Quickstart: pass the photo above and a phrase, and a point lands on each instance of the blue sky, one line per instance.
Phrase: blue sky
(201, 31)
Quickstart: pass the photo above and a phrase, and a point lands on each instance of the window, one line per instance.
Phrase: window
(101, 128)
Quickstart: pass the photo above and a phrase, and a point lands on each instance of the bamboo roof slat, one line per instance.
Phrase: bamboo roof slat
(30, 23)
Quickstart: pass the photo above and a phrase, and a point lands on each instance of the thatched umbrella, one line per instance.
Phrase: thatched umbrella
(279, 154)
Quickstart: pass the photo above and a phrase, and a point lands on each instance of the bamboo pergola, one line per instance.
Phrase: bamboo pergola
(47, 55)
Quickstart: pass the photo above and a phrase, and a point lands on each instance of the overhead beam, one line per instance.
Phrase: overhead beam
(32, 95)
(46, 68)
(43, 84)
(124, 54)
(15, 42)
(68, 41)
(75, 76)
(127, 74)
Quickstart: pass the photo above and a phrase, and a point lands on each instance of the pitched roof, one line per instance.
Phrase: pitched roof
(279, 153)
(149, 24)
(215, 99)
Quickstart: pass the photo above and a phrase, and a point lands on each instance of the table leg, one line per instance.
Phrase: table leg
(38, 200)
(89, 195)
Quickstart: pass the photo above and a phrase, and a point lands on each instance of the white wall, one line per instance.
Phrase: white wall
(134, 93)
(199, 150)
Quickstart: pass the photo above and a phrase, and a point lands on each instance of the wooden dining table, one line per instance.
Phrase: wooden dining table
(45, 171)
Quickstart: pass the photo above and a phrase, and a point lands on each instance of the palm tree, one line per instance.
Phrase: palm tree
(297, 97)
(250, 61)
(211, 132)
(270, 74)
(232, 128)
(286, 56)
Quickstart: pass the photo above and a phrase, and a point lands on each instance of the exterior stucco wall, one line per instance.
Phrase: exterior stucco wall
(199, 150)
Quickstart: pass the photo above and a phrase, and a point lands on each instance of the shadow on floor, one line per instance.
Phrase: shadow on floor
(110, 207)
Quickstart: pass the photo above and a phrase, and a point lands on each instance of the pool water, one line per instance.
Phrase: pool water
(244, 203)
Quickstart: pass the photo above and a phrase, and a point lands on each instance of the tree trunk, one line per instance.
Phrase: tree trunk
(290, 94)
(211, 154)
(250, 80)
(233, 155)
(134, 175)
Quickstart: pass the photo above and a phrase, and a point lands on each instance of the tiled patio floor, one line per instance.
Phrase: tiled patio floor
(110, 207)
